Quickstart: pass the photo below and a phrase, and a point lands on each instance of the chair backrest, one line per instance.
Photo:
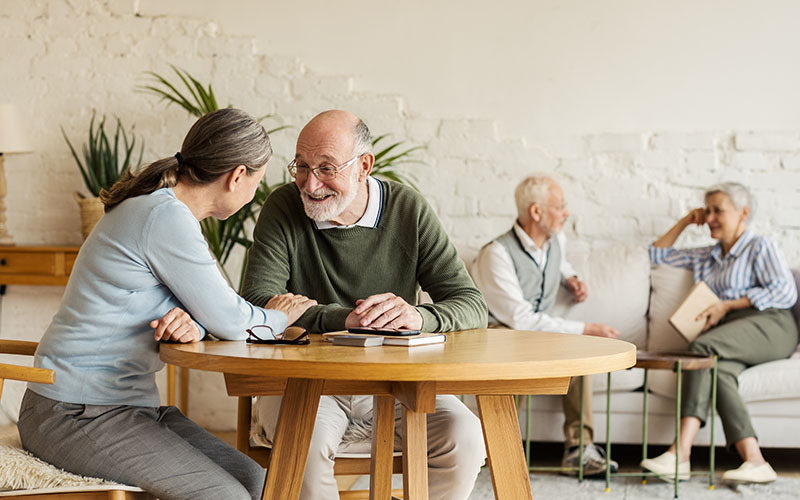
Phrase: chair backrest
(22, 373)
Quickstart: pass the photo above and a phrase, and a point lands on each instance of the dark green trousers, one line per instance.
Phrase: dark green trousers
(743, 338)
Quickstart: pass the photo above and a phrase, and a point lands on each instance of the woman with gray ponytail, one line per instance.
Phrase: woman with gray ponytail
(145, 275)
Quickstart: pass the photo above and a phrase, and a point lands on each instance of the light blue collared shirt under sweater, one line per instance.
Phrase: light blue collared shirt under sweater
(143, 258)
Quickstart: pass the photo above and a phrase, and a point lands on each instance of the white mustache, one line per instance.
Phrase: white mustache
(319, 193)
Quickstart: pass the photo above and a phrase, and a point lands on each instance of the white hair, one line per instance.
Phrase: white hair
(362, 139)
(739, 195)
(532, 189)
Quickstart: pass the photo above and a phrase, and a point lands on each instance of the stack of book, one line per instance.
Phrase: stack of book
(367, 340)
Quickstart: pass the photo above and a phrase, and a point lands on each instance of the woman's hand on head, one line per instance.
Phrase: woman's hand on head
(293, 306)
(176, 326)
(696, 216)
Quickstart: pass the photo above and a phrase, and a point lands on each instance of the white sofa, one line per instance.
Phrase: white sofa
(626, 293)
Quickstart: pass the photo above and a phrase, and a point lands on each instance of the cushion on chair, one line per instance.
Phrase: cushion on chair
(19, 470)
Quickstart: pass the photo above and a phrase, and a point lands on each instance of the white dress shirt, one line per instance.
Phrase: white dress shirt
(494, 274)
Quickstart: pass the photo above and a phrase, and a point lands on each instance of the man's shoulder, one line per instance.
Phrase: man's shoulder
(284, 192)
(396, 192)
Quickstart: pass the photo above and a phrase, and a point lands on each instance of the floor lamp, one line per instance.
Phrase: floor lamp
(12, 140)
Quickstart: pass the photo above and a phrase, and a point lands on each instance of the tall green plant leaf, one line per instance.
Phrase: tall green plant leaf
(102, 162)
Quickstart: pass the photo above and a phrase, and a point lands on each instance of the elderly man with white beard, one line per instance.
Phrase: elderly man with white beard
(362, 247)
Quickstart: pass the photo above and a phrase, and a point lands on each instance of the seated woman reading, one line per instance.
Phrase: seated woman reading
(143, 267)
(752, 324)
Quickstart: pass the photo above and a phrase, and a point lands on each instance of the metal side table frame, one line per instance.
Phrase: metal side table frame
(531, 467)
(677, 362)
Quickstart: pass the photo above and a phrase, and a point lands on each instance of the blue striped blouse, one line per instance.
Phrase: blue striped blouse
(754, 268)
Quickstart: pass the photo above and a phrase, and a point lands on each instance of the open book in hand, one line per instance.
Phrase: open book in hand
(684, 320)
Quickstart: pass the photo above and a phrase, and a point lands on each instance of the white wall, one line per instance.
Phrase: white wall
(634, 105)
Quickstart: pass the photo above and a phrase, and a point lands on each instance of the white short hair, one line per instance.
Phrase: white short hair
(739, 195)
(532, 189)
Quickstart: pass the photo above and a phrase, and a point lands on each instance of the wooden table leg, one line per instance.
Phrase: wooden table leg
(287, 461)
(415, 455)
(184, 391)
(380, 479)
(418, 399)
(504, 447)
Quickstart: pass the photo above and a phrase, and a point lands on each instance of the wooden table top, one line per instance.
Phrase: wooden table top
(480, 354)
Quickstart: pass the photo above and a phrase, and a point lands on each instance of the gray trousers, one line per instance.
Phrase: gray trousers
(743, 338)
(455, 443)
(156, 449)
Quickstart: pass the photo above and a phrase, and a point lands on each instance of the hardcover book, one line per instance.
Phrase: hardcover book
(684, 320)
(358, 340)
(421, 339)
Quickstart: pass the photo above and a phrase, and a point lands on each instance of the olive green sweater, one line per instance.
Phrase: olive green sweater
(409, 249)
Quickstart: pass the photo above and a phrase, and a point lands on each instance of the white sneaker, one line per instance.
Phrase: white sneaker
(749, 473)
(664, 465)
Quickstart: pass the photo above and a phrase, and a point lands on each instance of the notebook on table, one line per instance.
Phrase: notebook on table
(699, 298)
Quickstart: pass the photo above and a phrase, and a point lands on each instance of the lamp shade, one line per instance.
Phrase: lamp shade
(12, 135)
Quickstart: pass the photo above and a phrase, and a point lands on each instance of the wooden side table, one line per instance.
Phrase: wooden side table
(677, 362)
(52, 265)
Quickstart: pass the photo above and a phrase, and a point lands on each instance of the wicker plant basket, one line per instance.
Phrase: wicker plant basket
(92, 209)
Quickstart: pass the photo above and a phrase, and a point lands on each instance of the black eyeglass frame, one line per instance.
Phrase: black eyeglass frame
(252, 338)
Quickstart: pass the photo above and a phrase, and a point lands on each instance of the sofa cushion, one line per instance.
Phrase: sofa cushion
(618, 282)
(778, 379)
(670, 285)
(796, 308)
(621, 381)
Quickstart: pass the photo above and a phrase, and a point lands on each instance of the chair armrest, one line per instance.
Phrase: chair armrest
(21, 347)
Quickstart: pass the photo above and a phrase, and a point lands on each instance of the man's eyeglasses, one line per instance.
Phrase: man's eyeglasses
(323, 172)
(264, 334)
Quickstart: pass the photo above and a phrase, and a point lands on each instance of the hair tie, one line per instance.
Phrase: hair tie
(179, 157)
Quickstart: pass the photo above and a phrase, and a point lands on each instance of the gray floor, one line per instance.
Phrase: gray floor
(551, 486)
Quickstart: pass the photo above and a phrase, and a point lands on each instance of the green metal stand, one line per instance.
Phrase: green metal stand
(678, 368)
(528, 458)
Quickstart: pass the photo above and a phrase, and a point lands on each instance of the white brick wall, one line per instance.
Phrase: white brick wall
(61, 59)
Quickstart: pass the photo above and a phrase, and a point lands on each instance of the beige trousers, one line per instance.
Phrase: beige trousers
(572, 417)
(455, 442)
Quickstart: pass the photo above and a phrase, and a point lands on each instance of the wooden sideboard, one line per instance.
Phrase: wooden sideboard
(36, 265)
(51, 265)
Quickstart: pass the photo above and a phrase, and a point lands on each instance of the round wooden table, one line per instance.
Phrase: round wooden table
(491, 364)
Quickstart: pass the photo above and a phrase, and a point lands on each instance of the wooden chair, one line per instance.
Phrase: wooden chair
(344, 465)
(43, 376)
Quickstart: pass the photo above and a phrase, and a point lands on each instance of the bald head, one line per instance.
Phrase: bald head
(337, 129)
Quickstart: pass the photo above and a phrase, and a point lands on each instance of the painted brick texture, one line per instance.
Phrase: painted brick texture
(62, 59)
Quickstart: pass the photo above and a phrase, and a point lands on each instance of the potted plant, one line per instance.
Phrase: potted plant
(102, 162)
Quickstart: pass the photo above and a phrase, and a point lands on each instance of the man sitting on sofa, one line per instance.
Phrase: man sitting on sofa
(519, 273)
(361, 247)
